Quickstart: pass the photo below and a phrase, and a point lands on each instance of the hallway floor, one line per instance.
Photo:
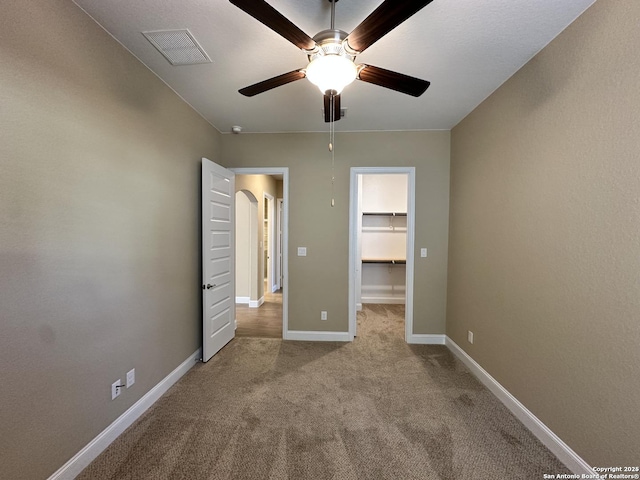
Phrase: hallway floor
(264, 321)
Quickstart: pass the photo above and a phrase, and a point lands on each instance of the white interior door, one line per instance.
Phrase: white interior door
(218, 254)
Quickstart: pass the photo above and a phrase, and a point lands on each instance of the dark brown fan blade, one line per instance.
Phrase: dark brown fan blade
(382, 20)
(274, 82)
(269, 16)
(393, 80)
(328, 110)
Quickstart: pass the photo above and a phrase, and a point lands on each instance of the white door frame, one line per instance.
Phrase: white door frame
(284, 171)
(354, 204)
(271, 273)
(279, 204)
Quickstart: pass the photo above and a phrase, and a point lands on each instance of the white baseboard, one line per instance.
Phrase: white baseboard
(550, 440)
(317, 336)
(426, 339)
(95, 447)
(256, 303)
(358, 307)
(248, 301)
(383, 294)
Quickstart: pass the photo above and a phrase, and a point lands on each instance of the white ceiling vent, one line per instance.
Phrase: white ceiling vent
(178, 46)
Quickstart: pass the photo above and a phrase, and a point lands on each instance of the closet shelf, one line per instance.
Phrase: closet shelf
(385, 229)
(386, 214)
(384, 261)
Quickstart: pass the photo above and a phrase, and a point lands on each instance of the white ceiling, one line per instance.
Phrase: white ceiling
(465, 48)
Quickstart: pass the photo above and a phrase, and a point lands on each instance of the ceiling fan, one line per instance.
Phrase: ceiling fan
(332, 52)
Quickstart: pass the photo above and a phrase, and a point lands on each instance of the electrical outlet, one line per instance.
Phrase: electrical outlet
(116, 389)
(323, 315)
(131, 377)
(302, 251)
(470, 336)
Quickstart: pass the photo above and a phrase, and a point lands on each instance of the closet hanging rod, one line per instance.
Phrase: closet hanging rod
(385, 261)
(386, 214)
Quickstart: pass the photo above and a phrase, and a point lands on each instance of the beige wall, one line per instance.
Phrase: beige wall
(244, 251)
(258, 185)
(319, 281)
(99, 222)
(544, 255)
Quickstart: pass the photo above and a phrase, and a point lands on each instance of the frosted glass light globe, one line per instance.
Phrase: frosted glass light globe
(331, 73)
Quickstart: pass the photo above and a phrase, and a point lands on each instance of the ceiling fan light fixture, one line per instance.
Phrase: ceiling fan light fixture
(331, 73)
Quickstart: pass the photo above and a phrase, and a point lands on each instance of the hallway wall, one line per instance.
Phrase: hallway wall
(258, 185)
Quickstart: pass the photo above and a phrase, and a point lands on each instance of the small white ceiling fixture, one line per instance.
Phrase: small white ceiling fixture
(178, 46)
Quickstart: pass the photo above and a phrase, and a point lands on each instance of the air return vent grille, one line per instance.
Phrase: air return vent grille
(178, 46)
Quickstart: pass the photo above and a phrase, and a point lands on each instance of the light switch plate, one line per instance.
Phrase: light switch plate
(423, 252)
(302, 251)
(131, 377)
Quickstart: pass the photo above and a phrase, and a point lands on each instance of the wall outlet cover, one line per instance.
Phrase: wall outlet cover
(116, 389)
(302, 251)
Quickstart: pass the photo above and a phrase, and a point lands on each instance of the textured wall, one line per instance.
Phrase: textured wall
(99, 232)
(544, 253)
(319, 281)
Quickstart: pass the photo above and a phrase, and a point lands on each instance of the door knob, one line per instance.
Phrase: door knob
(208, 286)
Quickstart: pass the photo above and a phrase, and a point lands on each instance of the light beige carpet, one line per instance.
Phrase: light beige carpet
(374, 409)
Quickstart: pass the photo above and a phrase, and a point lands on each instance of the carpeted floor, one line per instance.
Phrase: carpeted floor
(374, 409)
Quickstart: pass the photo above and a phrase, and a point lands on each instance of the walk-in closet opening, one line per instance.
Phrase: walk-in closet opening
(381, 245)
(259, 239)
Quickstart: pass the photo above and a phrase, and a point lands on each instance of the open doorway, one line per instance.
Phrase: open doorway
(261, 299)
(381, 244)
(269, 239)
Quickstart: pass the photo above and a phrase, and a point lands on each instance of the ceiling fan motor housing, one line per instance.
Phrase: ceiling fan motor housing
(330, 42)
